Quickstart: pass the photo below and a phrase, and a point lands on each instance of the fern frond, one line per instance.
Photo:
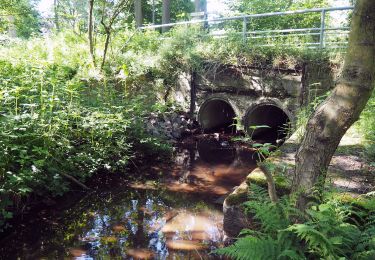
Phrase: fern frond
(258, 193)
(365, 255)
(250, 232)
(316, 240)
(269, 216)
(251, 248)
(290, 254)
(350, 235)
(330, 231)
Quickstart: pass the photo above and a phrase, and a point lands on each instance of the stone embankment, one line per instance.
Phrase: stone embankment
(170, 125)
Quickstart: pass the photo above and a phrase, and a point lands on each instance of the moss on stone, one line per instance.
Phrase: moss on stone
(363, 201)
(238, 196)
(257, 177)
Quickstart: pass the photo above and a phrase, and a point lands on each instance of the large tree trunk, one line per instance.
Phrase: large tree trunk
(166, 17)
(90, 31)
(341, 109)
(138, 13)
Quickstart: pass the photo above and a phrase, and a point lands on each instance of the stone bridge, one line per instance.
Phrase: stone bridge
(222, 95)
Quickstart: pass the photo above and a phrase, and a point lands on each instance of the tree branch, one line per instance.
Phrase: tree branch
(270, 181)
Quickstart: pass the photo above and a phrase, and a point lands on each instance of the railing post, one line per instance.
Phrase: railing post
(322, 27)
(244, 29)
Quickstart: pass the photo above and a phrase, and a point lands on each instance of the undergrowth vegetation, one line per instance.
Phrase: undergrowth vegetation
(330, 230)
(62, 121)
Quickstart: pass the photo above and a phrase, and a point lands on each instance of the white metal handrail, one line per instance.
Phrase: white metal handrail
(320, 32)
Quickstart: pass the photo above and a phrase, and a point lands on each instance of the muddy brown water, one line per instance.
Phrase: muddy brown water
(175, 216)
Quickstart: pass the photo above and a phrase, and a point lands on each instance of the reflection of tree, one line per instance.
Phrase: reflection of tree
(92, 221)
(100, 224)
(187, 156)
(139, 238)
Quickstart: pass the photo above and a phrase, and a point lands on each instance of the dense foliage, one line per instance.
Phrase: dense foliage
(19, 16)
(180, 10)
(281, 22)
(58, 121)
(330, 230)
(73, 14)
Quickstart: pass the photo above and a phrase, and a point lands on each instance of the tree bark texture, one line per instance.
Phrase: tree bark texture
(341, 109)
(90, 31)
(166, 16)
(138, 13)
(106, 44)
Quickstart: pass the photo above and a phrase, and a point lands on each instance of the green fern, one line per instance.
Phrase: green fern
(253, 248)
(271, 216)
(327, 234)
(317, 241)
(366, 244)
(269, 242)
(258, 193)
(331, 230)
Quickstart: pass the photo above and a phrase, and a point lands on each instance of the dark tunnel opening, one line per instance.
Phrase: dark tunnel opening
(217, 116)
(269, 115)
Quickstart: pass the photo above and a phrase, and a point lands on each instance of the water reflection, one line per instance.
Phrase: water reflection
(174, 217)
(211, 167)
(214, 152)
(136, 224)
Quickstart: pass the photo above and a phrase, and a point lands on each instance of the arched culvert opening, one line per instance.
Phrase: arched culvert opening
(276, 120)
(217, 115)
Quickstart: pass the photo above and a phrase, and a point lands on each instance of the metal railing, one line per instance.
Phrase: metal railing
(320, 33)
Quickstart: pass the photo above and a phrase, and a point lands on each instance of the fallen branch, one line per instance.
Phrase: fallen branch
(74, 180)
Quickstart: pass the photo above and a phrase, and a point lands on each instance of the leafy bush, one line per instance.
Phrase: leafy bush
(58, 121)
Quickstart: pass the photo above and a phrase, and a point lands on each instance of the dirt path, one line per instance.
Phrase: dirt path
(349, 171)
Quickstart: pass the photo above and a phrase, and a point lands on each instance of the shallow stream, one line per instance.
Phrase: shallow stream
(175, 215)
